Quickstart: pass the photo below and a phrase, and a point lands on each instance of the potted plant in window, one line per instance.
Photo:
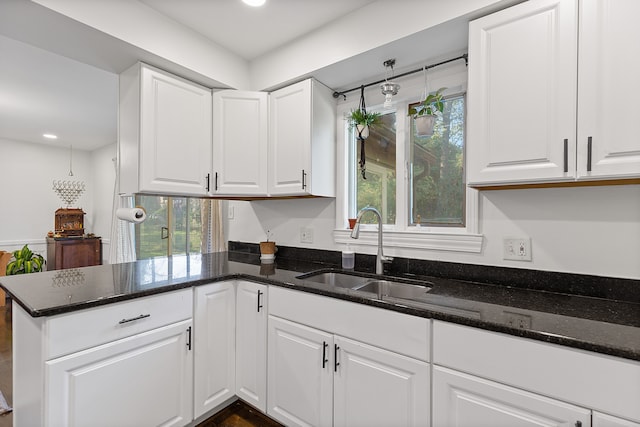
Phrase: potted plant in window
(362, 119)
(426, 112)
(25, 261)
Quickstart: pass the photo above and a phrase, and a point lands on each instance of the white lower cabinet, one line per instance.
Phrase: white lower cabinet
(230, 323)
(488, 378)
(251, 343)
(214, 345)
(143, 380)
(123, 364)
(604, 420)
(300, 374)
(325, 368)
(319, 379)
(376, 387)
(461, 400)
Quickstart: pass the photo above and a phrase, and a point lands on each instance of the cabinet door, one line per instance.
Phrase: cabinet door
(608, 108)
(214, 345)
(251, 344)
(142, 380)
(461, 400)
(375, 387)
(175, 134)
(290, 139)
(603, 420)
(77, 253)
(522, 94)
(240, 142)
(300, 374)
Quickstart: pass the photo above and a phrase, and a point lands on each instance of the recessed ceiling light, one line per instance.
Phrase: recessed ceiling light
(254, 3)
(50, 136)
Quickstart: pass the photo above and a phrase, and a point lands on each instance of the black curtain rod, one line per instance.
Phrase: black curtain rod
(466, 61)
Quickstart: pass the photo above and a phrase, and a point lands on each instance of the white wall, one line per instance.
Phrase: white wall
(29, 202)
(104, 178)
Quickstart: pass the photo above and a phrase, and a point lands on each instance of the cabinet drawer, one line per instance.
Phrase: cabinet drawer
(83, 329)
(398, 332)
(587, 379)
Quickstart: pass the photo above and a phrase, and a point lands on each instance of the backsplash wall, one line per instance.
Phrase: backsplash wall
(582, 230)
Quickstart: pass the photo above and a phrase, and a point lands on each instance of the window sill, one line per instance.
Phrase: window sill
(439, 241)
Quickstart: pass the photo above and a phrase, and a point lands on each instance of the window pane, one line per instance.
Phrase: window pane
(179, 226)
(378, 186)
(149, 242)
(178, 215)
(437, 184)
(195, 225)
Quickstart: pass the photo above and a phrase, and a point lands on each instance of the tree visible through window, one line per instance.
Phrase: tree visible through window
(379, 188)
(437, 187)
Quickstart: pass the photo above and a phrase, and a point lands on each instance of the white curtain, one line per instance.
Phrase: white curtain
(212, 232)
(122, 245)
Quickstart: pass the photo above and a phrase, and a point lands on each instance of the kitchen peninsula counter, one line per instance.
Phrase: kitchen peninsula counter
(596, 324)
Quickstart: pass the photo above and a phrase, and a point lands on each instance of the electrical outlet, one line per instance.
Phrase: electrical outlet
(517, 320)
(230, 212)
(306, 235)
(517, 248)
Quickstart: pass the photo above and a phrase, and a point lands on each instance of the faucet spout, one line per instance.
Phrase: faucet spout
(355, 233)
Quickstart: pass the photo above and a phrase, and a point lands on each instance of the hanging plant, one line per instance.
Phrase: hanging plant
(362, 121)
(426, 112)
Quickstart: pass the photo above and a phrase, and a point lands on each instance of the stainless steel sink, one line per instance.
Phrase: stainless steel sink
(370, 284)
(387, 288)
(341, 280)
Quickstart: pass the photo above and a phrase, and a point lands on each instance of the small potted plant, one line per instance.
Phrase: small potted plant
(426, 112)
(25, 261)
(362, 120)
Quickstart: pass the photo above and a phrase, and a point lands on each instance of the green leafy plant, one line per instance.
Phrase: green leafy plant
(25, 261)
(430, 106)
(362, 118)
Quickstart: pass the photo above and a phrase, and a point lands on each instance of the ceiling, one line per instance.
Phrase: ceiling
(46, 92)
(249, 31)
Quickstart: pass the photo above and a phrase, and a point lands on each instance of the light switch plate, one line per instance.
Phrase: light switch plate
(517, 248)
(306, 235)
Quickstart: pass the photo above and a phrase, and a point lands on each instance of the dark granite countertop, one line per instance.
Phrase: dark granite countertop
(602, 325)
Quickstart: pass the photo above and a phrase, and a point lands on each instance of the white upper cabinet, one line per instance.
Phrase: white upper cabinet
(240, 135)
(534, 78)
(522, 93)
(165, 133)
(302, 140)
(608, 85)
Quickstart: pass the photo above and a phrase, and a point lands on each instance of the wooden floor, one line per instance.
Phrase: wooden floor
(237, 414)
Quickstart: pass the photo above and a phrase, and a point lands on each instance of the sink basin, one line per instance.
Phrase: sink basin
(393, 289)
(341, 280)
(370, 284)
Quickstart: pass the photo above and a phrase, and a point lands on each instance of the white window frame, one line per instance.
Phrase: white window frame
(403, 235)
